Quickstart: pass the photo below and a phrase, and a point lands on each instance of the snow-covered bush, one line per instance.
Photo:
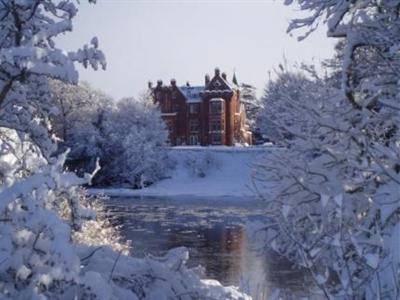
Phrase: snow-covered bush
(18, 156)
(36, 250)
(134, 140)
(336, 207)
(36, 254)
(154, 278)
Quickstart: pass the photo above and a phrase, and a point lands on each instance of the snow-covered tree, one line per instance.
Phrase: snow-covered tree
(336, 206)
(248, 96)
(28, 54)
(128, 136)
(78, 122)
(52, 244)
(282, 97)
(135, 136)
(36, 244)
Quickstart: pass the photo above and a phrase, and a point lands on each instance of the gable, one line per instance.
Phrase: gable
(218, 84)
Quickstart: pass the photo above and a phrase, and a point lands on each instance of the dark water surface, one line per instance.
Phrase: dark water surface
(214, 232)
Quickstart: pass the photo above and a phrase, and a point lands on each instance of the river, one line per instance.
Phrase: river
(214, 232)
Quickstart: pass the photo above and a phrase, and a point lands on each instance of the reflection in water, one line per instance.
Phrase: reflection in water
(215, 235)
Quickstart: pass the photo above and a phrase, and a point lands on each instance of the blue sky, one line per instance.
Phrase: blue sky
(150, 40)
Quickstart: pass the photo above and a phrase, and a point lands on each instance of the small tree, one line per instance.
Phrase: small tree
(283, 98)
(135, 137)
(251, 103)
(78, 122)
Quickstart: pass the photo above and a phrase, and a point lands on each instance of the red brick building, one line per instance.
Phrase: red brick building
(203, 115)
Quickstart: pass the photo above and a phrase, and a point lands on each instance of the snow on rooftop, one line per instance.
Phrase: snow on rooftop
(231, 85)
(169, 114)
(192, 93)
(218, 91)
(217, 100)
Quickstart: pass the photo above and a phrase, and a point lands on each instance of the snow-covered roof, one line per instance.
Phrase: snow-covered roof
(231, 85)
(217, 91)
(192, 93)
(169, 114)
(217, 100)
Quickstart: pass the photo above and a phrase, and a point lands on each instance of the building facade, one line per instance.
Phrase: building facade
(203, 115)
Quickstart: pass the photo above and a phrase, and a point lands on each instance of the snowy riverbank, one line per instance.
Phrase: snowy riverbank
(203, 172)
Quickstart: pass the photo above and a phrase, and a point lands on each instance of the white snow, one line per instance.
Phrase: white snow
(217, 100)
(23, 272)
(215, 171)
(192, 93)
(372, 260)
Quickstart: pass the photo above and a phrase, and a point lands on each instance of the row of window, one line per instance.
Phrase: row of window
(194, 108)
(159, 96)
(194, 125)
(216, 139)
(168, 105)
(216, 107)
(215, 125)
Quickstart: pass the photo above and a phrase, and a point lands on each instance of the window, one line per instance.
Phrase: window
(170, 125)
(175, 107)
(217, 125)
(166, 105)
(216, 107)
(194, 125)
(194, 108)
(193, 139)
(216, 139)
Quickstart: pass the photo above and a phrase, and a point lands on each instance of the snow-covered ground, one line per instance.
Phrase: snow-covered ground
(203, 172)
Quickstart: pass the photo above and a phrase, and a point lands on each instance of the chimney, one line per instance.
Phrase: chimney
(207, 79)
(150, 84)
(223, 75)
(187, 84)
(216, 72)
(159, 83)
(173, 82)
